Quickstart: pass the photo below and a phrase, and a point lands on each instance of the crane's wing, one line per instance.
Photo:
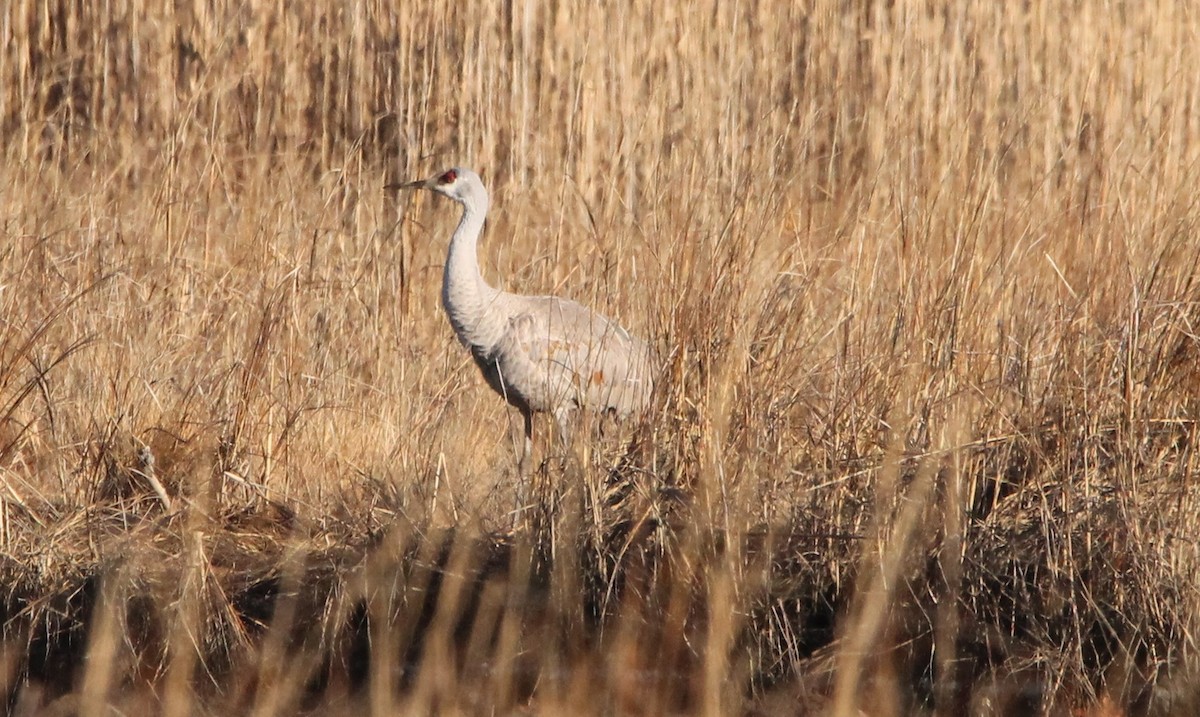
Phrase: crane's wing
(575, 355)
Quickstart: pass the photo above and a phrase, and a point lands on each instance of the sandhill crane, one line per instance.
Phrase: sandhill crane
(540, 353)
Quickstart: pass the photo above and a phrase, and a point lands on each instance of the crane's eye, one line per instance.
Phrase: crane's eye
(448, 177)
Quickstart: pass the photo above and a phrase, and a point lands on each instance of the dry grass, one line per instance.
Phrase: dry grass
(923, 279)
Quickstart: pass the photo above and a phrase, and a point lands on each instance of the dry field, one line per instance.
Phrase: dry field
(922, 276)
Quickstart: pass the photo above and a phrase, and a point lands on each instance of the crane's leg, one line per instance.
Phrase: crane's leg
(563, 417)
(523, 477)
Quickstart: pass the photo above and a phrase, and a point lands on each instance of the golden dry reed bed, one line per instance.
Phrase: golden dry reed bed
(923, 277)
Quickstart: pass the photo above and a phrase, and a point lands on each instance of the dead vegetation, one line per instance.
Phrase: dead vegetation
(923, 279)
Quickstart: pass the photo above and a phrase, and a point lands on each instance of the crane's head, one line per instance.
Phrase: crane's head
(460, 184)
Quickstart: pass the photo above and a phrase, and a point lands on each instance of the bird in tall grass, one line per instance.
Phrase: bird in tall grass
(540, 353)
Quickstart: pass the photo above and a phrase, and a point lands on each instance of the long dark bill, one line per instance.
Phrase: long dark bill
(415, 184)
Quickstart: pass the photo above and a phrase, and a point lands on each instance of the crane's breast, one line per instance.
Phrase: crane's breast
(503, 377)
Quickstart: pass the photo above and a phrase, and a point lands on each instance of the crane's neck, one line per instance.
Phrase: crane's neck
(466, 297)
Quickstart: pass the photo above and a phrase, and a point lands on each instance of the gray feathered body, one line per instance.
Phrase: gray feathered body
(555, 355)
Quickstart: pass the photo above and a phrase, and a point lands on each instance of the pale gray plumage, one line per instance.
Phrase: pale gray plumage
(541, 353)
